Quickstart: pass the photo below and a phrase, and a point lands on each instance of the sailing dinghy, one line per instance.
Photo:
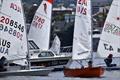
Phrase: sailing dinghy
(110, 37)
(39, 34)
(13, 39)
(82, 42)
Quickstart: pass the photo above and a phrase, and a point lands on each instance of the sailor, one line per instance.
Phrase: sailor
(2, 63)
(108, 61)
(90, 64)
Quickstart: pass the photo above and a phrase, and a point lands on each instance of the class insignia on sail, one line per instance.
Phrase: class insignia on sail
(15, 7)
(4, 46)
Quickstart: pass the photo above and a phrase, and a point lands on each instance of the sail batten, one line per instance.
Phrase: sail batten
(82, 30)
(110, 38)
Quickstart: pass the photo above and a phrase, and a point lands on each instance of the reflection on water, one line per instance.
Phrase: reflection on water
(109, 75)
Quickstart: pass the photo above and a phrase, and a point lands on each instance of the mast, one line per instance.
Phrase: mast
(27, 54)
(91, 32)
(0, 4)
(50, 1)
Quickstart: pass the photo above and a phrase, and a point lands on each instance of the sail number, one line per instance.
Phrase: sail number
(11, 30)
(38, 22)
(12, 23)
(82, 9)
(108, 47)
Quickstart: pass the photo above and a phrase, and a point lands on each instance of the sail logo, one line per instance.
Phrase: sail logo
(82, 7)
(45, 8)
(15, 7)
(4, 46)
(108, 47)
(111, 28)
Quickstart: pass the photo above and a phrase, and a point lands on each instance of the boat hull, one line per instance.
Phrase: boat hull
(112, 68)
(55, 62)
(84, 72)
(31, 72)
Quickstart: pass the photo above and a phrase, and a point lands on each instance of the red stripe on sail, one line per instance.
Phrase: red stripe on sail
(51, 1)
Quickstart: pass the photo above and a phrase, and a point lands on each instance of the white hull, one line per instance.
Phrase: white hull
(31, 72)
(49, 58)
(54, 62)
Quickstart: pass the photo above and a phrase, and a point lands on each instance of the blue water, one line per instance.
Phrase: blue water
(108, 75)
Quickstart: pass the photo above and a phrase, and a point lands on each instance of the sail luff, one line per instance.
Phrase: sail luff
(91, 33)
(51, 1)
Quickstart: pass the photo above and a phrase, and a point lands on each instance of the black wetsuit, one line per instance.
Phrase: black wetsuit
(2, 62)
(108, 62)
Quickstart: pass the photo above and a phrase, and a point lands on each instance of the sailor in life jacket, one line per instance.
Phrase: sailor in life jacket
(108, 61)
(90, 64)
(2, 64)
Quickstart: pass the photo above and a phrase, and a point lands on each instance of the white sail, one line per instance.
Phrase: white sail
(13, 42)
(82, 30)
(56, 45)
(40, 27)
(110, 37)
